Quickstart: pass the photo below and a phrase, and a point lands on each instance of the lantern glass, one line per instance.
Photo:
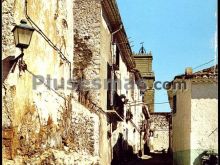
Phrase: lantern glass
(22, 35)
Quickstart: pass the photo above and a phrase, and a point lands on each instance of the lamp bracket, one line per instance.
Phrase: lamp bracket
(14, 61)
(22, 66)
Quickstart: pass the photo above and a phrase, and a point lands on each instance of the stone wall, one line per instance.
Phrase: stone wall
(85, 126)
(7, 49)
(87, 38)
(7, 22)
(159, 125)
(70, 141)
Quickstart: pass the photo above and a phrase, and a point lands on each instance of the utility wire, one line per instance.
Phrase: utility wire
(213, 131)
(204, 64)
(200, 65)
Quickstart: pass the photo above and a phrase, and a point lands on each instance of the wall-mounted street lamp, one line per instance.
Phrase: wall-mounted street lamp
(22, 37)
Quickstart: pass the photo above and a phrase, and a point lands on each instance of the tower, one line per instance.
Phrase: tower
(143, 62)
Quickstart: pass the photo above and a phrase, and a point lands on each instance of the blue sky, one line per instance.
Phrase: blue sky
(180, 34)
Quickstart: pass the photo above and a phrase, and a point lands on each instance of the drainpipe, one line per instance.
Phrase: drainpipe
(116, 30)
(112, 72)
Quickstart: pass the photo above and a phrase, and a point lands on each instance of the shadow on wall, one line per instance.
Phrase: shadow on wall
(8, 64)
(198, 161)
(206, 158)
(122, 152)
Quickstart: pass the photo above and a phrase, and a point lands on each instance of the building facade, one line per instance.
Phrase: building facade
(160, 128)
(64, 106)
(194, 102)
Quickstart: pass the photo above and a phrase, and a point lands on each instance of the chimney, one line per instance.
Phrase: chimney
(188, 71)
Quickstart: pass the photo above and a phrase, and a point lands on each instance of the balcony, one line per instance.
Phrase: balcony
(115, 112)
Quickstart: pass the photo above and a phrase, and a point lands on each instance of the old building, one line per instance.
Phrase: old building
(144, 65)
(193, 99)
(57, 106)
(160, 131)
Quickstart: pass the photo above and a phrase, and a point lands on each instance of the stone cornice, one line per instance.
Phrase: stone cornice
(141, 56)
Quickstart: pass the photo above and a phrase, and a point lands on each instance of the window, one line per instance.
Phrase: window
(174, 104)
(109, 93)
(116, 54)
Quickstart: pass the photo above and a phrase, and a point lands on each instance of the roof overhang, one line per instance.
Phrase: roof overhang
(111, 11)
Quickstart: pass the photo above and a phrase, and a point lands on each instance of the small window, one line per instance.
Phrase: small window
(174, 104)
(116, 57)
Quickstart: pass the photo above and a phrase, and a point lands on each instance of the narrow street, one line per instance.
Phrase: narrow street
(154, 159)
(109, 82)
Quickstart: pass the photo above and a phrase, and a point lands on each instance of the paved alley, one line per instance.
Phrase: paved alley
(154, 159)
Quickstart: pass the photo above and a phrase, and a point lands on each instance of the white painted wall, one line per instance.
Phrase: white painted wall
(204, 117)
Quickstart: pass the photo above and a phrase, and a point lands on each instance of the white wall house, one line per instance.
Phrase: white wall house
(194, 115)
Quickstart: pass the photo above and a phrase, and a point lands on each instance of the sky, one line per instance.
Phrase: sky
(179, 33)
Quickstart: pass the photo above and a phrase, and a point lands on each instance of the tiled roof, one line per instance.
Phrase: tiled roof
(208, 73)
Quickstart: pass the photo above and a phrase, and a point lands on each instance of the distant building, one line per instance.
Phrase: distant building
(160, 131)
(143, 62)
(193, 99)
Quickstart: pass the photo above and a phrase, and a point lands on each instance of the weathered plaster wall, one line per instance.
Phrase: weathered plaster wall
(105, 57)
(181, 127)
(134, 138)
(134, 135)
(204, 117)
(39, 51)
(159, 124)
(46, 123)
